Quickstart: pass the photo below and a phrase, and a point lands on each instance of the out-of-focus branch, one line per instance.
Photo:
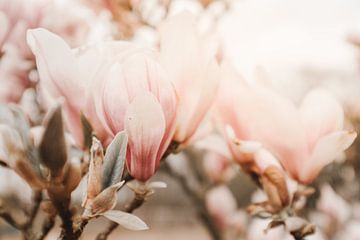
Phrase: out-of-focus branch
(24, 227)
(135, 204)
(7, 217)
(197, 199)
(62, 207)
(47, 225)
(32, 212)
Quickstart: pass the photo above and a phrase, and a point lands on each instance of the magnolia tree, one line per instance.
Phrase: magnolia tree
(111, 111)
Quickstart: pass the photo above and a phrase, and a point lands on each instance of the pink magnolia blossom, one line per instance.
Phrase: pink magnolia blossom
(66, 19)
(265, 127)
(118, 86)
(192, 68)
(217, 159)
(221, 205)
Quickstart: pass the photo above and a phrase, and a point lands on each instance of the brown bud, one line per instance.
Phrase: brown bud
(53, 150)
(72, 177)
(274, 184)
(95, 169)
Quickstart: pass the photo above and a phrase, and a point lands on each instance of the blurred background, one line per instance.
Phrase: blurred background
(295, 45)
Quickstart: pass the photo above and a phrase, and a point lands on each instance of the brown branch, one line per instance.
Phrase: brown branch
(32, 212)
(47, 225)
(135, 204)
(7, 217)
(67, 232)
(198, 201)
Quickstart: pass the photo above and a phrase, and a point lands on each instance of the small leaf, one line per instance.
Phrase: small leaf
(114, 160)
(126, 220)
(53, 147)
(87, 131)
(106, 200)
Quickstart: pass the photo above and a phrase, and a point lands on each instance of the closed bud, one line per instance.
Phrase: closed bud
(274, 184)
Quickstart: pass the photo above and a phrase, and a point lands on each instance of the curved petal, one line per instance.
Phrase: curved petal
(189, 119)
(184, 59)
(321, 114)
(145, 126)
(325, 151)
(56, 65)
(262, 115)
(55, 61)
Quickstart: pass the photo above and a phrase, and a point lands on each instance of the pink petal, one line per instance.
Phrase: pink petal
(4, 23)
(55, 61)
(259, 114)
(188, 65)
(325, 151)
(321, 114)
(145, 126)
(57, 70)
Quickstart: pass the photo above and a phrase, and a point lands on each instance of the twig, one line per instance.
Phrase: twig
(37, 198)
(135, 203)
(62, 207)
(10, 219)
(47, 225)
(197, 200)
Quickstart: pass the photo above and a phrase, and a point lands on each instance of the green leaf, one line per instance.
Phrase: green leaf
(114, 160)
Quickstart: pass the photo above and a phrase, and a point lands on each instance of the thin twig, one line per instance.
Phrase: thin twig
(7, 217)
(62, 207)
(32, 212)
(47, 225)
(197, 200)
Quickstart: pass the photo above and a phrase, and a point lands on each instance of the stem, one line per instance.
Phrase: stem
(197, 200)
(135, 203)
(48, 224)
(67, 232)
(37, 198)
(9, 219)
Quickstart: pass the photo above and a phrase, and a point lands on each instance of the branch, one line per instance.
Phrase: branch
(67, 232)
(197, 200)
(10, 219)
(47, 225)
(36, 198)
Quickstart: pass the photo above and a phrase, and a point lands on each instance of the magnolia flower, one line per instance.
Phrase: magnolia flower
(123, 87)
(221, 205)
(333, 205)
(66, 19)
(193, 70)
(264, 127)
(217, 160)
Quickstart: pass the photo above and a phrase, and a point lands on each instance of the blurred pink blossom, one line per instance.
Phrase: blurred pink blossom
(68, 19)
(333, 205)
(221, 205)
(264, 127)
(192, 68)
